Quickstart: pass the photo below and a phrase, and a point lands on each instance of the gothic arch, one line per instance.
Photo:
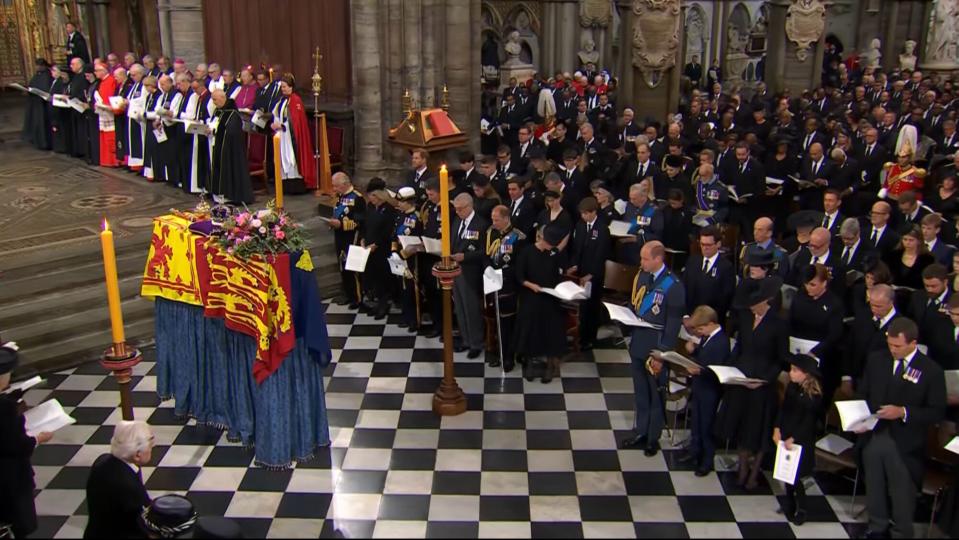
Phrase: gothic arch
(696, 32)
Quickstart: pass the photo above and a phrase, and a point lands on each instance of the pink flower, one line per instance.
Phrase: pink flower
(229, 250)
(280, 235)
(262, 230)
(256, 223)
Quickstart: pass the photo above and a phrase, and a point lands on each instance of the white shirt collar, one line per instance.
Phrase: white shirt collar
(712, 260)
(519, 200)
(932, 243)
(659, 272)
(908, 358)
(469, 218)
(821, 258)
(421, 170)
(888, 317)
(879, 230)
(852, 249)
(942, 297)
(469, 172)
(134, 466)
(590, 224)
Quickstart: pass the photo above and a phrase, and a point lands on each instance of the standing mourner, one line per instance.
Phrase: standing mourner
(16, 447)
(348, 217)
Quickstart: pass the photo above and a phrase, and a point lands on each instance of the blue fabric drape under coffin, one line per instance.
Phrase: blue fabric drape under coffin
(208, 370)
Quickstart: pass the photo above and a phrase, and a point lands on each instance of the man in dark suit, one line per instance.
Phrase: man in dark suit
(525, 144)
(910, 211)
(948, 143)
(115, 492)
(468, 248)
(594, 152)
(817, 169)
(819, 251)
(464, 177)
(694, 70)
(931, 228)
(637, 169)
(845, 172)
(879, 233)
(511, 118)
(589, 248)
(854, 251)
(573, 178)
(726, 158)
(710, 278)
(558, 143)
(868, 334)
(522, 209)
(659, 299)
(874, 155)
(506, 168)
(712, 350)
(929, 310)
(832, 216)
(748, 178)
(945, 348)
(907, 390)
(76, 46)
(629, 130)
(812, 136)
(419, 172)
(566, 105)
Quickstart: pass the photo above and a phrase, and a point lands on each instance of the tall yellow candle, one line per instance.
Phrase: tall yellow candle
(445, 210)
(277, 174)
(113, 286)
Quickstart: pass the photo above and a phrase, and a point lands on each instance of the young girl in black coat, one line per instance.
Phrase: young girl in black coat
(796, 424)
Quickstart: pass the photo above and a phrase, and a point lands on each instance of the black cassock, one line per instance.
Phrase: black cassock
(120, 124)
(79, 138)
(540, 318)
(230, 175)
(59, 120)
(165, 167)
(16, 448)
(92, 121)
(150, 139)
(36, 121)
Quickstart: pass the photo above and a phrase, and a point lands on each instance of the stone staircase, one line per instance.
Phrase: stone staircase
(53, 302)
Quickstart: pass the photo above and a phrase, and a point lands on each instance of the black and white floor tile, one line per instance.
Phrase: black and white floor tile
(526, 460)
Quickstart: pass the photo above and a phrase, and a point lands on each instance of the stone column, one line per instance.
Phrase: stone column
(890, 52)
(413, 48)
(789, 64)
(367, 66)
(462, 57)
(654, 80)
(103, 24)
(166, 28)
(185, 30)
(431, 22)
(776, 46)
(942, 45)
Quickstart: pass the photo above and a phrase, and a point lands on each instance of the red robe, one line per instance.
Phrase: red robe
(304, 141)
(108, 138)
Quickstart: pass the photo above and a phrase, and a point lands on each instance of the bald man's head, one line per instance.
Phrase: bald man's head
(819, 241)
(219, 98)
(763, 230)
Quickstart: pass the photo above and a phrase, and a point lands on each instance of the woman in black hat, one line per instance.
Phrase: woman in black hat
(555, 214)
(380, 219)
(759, 264)
(747, 412)
(607, 207)
(816, 314)
(796, 424)
(16, 447)
(541, 319)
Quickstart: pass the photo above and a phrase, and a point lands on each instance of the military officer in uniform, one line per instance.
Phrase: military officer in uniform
(659, 299)
(712, 197)
(348, 215)
(763, 239)
(432, 217)
(408, 223)
(503, 243)
(645, 221)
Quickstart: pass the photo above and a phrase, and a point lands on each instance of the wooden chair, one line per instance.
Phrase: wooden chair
(844, 461)
(938, 474)
(618, 285)
(335, 137)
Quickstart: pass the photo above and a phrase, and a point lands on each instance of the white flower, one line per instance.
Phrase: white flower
(263, 213)
(262, 230)
(256, 223)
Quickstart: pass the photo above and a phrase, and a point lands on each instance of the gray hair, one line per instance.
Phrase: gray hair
(463, 199)
(882, 291)
(639, 188)
(849, 227)
(341, 178)
(837, 153)
(129, 438)
(137, 68)
(183, 77)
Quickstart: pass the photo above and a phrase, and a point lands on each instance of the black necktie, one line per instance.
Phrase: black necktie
(875, 238)
(825, 222)
(845, 257)
(589, 228)
(462, 229)
(642, 171)
(900, 368)
(705, 265)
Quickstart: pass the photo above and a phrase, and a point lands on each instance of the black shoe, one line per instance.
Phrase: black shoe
(877, 534)
(474, 353)
(341, 302)
(634, 442)
(702, 471)
(433, 333)
(494, 362)
(402, 325)
(459, 347)
(508, 366)
(413, 329)
(651, 449)
(354, 306)
(586, 347)
(799, 517)
(687, 458)
(380, 315)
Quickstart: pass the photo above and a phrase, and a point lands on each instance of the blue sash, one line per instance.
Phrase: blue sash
(662, 286)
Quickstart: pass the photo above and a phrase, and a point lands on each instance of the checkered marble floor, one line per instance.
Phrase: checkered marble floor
(526, 459)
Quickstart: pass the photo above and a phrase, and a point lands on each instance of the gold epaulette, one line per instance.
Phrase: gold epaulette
(921, 173)
(887, 165)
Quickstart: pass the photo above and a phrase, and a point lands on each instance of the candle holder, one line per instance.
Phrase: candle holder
(120, 360)
(449, 399)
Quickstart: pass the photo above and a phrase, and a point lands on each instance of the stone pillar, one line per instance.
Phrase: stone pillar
(794, 57)
(103, 24)
(462, 56)
(412, 48)
(890, 53)
(776, 46)
(654, 84)
(431, 23)
(942, 45)
(367, 66)
(183, 36)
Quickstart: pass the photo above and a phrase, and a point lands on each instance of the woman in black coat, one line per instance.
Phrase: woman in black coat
(796, 424)
(377, 234)
(747, 413)
(116, 496)
(16, 448)
(36, 121)
(907, 262)
(541, 320)
(816, 314)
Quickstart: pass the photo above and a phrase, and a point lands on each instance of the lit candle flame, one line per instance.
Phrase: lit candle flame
(106, 224)
(443, 167)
